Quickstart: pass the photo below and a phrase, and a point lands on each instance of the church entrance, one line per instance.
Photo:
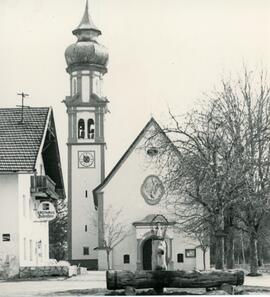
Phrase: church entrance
(147, 254)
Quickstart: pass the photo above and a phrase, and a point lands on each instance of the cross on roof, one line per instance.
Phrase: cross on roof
(22, 106)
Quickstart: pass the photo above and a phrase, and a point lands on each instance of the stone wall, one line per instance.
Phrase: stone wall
(42, 271)
(9, 266)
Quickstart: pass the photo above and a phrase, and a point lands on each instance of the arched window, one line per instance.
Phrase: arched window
(126, 259)
(90, 129)
(81, 128)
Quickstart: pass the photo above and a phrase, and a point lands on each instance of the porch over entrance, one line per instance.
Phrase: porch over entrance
(150, 232)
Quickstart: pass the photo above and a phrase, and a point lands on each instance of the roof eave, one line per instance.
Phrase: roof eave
(2, 172)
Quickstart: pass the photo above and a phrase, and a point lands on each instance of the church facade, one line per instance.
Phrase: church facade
(120, 218)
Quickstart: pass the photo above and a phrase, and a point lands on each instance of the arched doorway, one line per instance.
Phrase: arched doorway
(147, 254)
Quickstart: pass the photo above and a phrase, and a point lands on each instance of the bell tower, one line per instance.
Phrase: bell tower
(86, 65)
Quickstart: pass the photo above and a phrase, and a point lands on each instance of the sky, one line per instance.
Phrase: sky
(164, 54)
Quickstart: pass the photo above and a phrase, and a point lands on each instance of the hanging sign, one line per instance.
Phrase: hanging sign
(46, 211)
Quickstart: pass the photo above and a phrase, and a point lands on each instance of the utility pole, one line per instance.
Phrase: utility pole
(22, 106)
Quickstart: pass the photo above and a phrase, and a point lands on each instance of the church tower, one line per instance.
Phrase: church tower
(86, 64)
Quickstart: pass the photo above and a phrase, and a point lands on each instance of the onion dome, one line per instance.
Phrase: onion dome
(86, 50)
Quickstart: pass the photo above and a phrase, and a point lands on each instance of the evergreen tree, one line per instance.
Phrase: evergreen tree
(58, 232)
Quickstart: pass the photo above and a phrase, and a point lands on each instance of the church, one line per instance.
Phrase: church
(118, 218)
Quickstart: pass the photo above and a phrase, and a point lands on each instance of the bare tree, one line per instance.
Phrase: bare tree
(200, 231)
(206, 179)
(253, 138)
(115, 230)
(222, 173)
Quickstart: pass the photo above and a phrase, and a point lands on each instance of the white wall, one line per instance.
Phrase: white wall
(86, 88)
(83, 211)
(29, 228)
(124, 192)
(124, 189)
(40, 170)
(180, 244)
(9, 216)
(199, 264)
(127, 246)
(18, 218)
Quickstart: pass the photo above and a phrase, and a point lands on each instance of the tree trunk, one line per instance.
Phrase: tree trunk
(260, 254)
(253, 260)
(219, 257)
(219, 235)
(108, 259)
(142, 279)
(242, 248)
(230, 249)
(204, 262)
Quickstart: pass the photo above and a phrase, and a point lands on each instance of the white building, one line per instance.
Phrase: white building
(30, 175)
(134, 187)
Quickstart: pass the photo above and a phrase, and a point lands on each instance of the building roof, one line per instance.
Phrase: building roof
(86, 52)
(87, 22)
(20, 141)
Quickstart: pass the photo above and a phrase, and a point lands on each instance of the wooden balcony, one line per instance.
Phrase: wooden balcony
(42, 186)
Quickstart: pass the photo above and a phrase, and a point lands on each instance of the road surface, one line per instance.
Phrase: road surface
(80, 285)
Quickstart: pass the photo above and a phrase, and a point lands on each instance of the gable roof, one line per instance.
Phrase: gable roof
(20, 142)
(126, 155)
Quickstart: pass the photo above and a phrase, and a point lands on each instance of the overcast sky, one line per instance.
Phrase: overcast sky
(163, 53)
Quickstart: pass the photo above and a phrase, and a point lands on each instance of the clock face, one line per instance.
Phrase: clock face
(86, 159)
(152, 189)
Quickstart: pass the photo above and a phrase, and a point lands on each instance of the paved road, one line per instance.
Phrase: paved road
(262, 281)
(58, 287)
(49, 287)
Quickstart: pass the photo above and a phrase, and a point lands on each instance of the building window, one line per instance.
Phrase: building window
(190, 253)
(31, 249)
(24, 206)
(85, 88)
(74, 86)
(45, 206)
(39, 248)
(86, 193)
(126, 259)
(86, 250)
(85, 228)
(41, 169)
(6, 237)
(96, 85)
(152, 151)
(45, 251)
(90, 129)
(24, 249)
(30, 209)
(81, 128)
(180, 258)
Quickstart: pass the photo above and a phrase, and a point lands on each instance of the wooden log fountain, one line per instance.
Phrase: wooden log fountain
(160, 279)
